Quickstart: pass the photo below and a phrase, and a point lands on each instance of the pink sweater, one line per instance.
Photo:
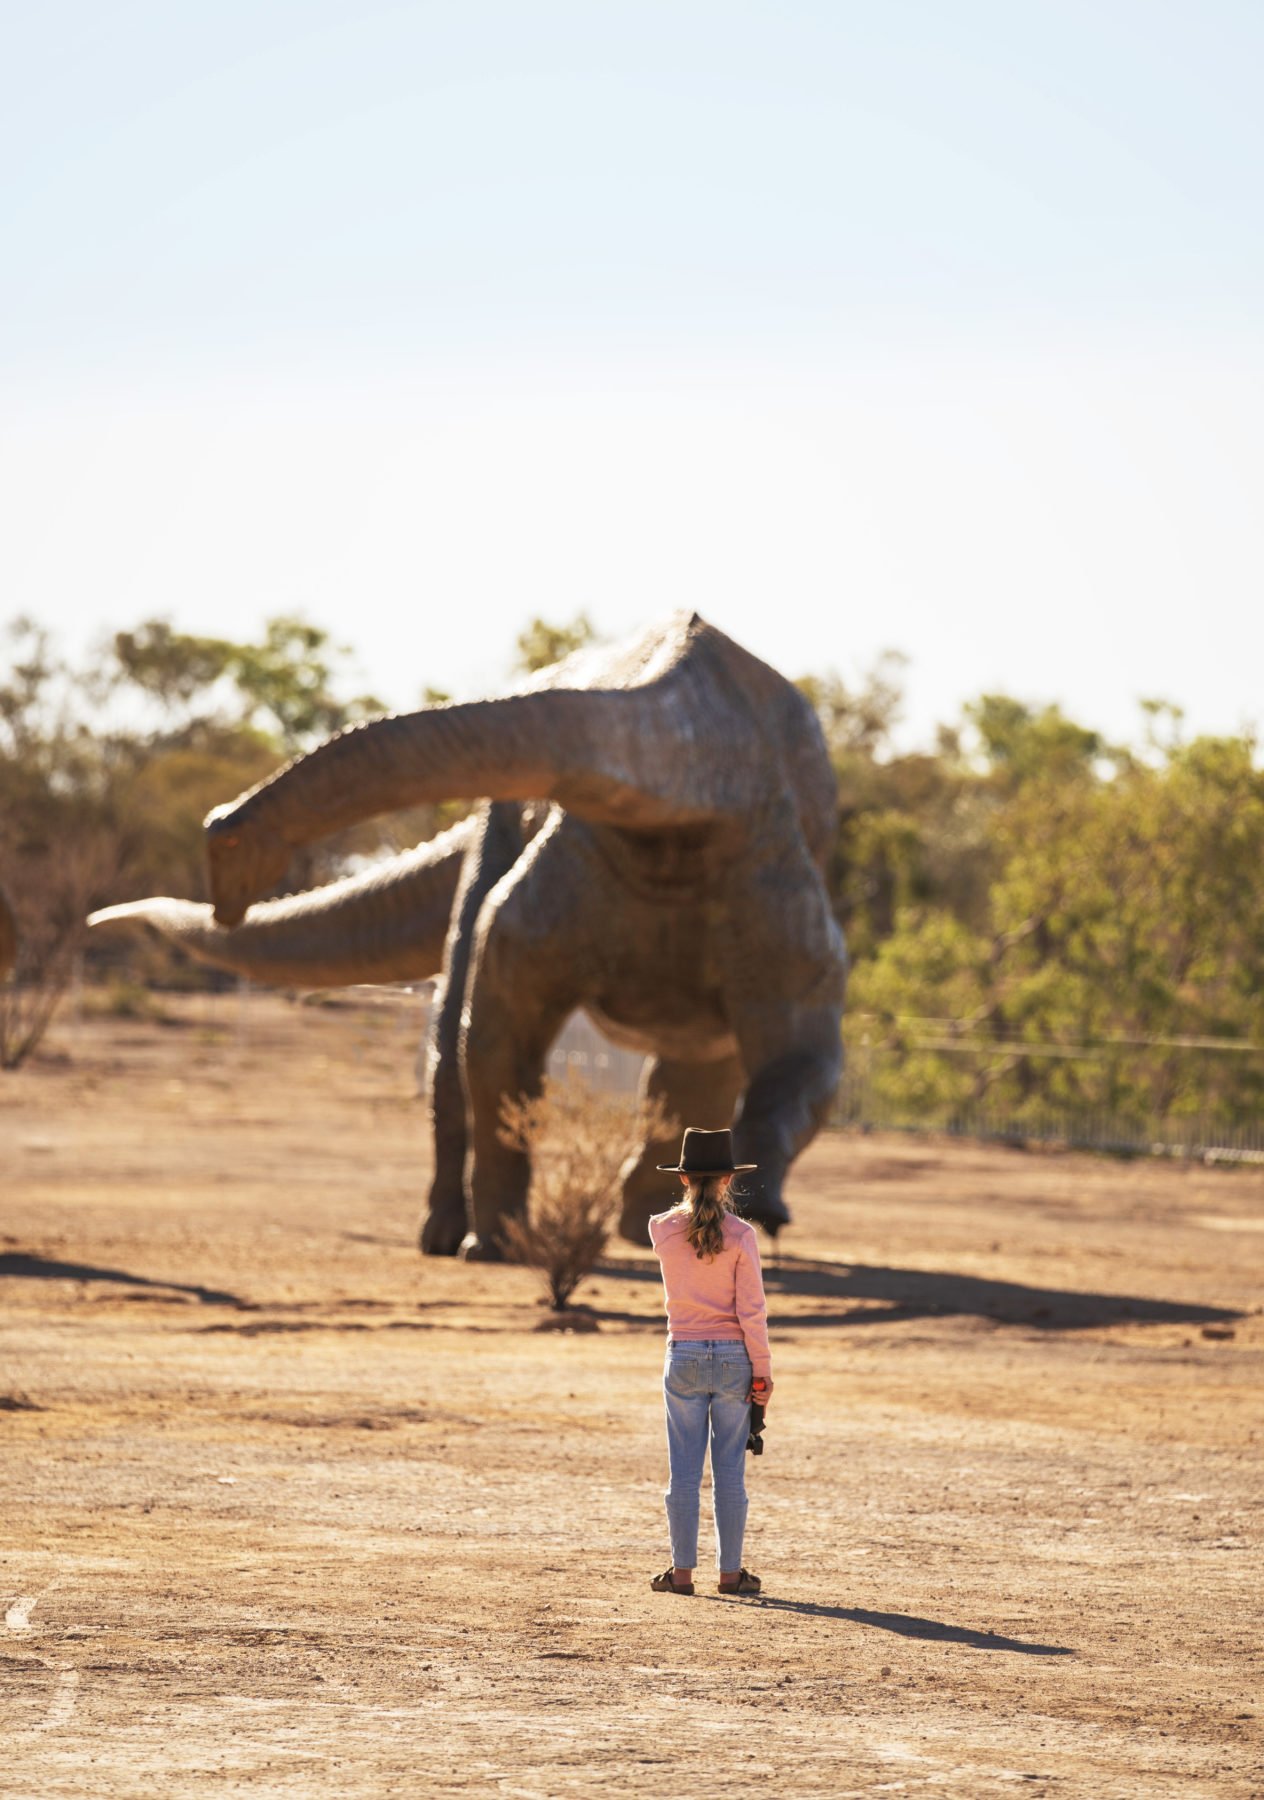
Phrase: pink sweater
(720, 1299)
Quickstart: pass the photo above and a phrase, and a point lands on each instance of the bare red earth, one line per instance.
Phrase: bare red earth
(288, 1510)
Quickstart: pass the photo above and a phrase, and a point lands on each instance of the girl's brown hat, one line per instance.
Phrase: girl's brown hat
(706, 1153)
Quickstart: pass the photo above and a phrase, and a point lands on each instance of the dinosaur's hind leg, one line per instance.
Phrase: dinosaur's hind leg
(443, 1222)
(694, 1093)
(526, 979)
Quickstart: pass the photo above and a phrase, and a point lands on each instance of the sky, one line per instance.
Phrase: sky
(932, 326)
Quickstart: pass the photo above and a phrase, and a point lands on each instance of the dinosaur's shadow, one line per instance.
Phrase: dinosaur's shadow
(860, 1295)
(44, 1268)
(904, 1294)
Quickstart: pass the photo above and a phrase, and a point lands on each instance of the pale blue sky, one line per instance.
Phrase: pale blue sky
(934, 326)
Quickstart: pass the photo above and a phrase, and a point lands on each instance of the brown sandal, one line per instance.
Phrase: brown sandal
(746, 1583)
(663, 1584)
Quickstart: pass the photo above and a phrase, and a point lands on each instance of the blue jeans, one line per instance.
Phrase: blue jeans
(705, 1384)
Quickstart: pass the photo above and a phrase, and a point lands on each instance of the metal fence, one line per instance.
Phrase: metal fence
(582, 1050)
(861, 1103)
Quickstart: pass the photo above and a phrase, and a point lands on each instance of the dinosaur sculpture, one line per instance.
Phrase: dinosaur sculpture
(649, 848)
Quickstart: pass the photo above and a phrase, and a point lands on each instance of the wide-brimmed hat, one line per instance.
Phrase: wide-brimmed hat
(706, 1153)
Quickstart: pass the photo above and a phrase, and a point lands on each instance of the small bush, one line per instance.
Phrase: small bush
(577, 1140)
(123, 997)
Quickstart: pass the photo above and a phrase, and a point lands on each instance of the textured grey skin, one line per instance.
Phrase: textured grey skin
(667, 879)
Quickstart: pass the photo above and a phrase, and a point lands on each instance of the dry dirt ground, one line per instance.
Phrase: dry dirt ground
(288, 1510)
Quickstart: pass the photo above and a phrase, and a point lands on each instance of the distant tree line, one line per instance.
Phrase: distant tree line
(1038, 918)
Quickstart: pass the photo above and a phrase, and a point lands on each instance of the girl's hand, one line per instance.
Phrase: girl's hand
(761, 1391)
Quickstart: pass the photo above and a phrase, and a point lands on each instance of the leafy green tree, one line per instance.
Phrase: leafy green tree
(541, 644)
(913, 827)
(283, 686)
(1124, 937)
(100, 799)
(1017, 744)
(174, 667)
(858, 721)
(57, 851)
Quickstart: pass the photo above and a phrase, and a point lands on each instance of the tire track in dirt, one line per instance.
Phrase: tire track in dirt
(17, 1619)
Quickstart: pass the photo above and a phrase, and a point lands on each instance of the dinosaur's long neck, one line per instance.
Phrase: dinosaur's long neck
(387, 924)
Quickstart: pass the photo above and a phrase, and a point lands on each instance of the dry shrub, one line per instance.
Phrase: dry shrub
(8, 936)
(50, 891)
(123, 997)
(577, 1140)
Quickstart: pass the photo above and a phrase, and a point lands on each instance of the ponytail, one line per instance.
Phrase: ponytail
(706, 1204)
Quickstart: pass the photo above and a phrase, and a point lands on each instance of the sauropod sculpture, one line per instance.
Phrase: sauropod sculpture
(649, 848)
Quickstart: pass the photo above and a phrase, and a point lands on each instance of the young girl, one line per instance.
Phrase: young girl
(717, 1357)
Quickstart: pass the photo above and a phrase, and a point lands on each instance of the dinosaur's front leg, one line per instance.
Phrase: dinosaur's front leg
(796, 1059)
(787, 969)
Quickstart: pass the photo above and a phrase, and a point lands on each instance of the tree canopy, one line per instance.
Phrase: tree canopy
(107, 770)
(541, 644)
(1038, 918)
(283, 686)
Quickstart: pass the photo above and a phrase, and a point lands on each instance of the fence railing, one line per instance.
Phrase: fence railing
(863, 1099)
(860, 1104)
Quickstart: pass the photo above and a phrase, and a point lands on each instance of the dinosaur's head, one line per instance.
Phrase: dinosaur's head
(244, 858)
